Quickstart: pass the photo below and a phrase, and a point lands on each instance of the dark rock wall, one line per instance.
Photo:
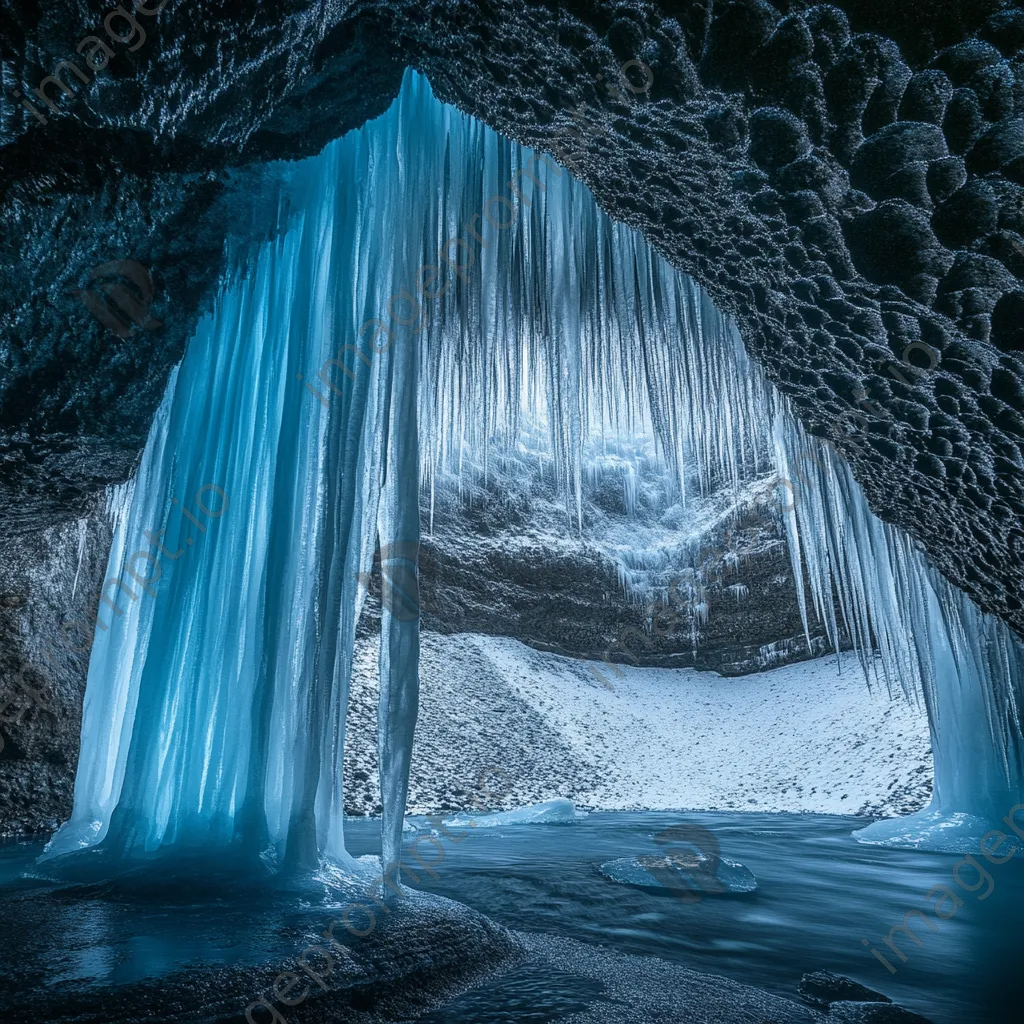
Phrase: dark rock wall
(49, 588)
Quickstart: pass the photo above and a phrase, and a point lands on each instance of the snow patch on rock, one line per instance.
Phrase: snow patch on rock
(502, 726)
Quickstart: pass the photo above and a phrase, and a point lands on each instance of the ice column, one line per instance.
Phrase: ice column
(284, 450)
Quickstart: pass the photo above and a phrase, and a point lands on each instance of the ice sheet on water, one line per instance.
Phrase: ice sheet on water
(559, 811)
(941, 832)
(696, 873)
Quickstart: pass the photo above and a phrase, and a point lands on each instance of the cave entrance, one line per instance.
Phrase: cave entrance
(599, 466)
(444, 307)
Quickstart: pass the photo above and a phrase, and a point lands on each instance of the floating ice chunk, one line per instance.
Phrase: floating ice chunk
(694, 875)
(938, 832)
(550, 812)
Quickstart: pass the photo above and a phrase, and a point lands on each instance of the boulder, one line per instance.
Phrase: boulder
(1008, 322)
(944, 177)
(822, 988)
(960, 62)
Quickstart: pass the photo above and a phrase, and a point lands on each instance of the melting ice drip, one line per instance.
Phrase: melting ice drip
(215, 711)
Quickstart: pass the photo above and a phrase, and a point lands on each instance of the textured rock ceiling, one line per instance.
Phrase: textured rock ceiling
(846, 180)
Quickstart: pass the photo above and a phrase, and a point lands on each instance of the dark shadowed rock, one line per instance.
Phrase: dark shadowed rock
(738, 28)
(926, 97)
(1005, 30)
(1008, 323)
(944, 177)
(820, 988)
(999, 146)
(894, 242)
(776, 137)
(656, 990)
(420, 954)
(49, 589)
(968, 214)
(891, 149)
(972, 270)
(962, 61)
(830, 30)
(963, 123)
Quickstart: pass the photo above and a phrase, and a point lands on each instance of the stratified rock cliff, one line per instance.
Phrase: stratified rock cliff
(504, 559)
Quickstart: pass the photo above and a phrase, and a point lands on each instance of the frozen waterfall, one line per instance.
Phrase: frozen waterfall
(913, 630)
(436, 294)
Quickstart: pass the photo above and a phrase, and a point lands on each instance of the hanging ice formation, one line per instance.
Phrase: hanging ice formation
(427, 261)
(918, 632)
(216, 700)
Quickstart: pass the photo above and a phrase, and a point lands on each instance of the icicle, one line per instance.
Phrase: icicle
(925, 636)
(398, 529)
(82, 526)
(217, 694)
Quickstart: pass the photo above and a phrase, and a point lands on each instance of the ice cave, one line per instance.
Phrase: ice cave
(500, 540)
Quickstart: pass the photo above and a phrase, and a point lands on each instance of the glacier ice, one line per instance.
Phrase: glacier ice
(434, 298)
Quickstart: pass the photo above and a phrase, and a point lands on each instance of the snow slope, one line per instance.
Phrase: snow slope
(799, 738)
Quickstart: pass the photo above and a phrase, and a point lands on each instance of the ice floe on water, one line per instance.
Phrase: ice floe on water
(551, 812)
(937, 832)
(692, 876)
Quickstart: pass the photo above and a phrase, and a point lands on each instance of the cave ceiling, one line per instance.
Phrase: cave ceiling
(847, 181)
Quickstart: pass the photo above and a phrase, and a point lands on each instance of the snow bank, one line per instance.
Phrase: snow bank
(502, 725)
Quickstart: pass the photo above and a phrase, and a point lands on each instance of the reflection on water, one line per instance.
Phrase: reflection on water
(819, 894)
(146, 924)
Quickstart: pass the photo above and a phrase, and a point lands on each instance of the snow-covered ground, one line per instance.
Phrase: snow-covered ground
(507, 725)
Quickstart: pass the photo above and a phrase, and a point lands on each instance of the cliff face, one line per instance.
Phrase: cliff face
(507, 561)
